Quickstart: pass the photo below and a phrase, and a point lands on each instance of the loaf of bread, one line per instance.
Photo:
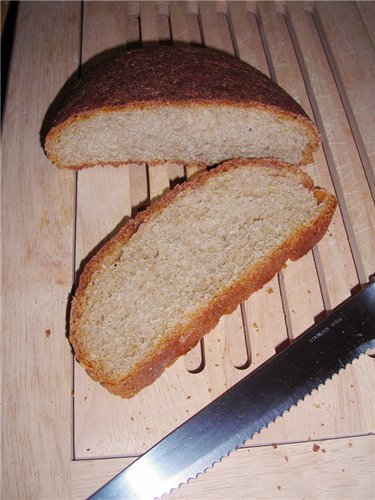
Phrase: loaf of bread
(189, 105)
(165, 279)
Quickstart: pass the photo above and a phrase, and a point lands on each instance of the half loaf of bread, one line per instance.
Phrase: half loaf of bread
(164, 280)
(189, 105)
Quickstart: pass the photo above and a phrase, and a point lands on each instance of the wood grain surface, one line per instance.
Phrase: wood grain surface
(63, 435)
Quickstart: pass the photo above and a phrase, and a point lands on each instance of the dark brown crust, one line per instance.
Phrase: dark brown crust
(184, 338)
(173, 75)
(168, 74)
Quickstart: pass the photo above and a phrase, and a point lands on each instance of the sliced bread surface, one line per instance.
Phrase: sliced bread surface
(189, 105)
(165, 279)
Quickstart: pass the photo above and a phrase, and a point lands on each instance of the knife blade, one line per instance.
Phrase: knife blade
(252, 404)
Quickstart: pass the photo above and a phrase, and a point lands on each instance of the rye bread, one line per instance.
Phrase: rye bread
(165, 279)
(190, 105)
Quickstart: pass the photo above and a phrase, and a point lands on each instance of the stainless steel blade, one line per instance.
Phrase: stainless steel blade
(252, 404)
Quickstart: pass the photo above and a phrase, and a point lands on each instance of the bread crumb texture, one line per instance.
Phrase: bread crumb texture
(206, 134)
(235, 225)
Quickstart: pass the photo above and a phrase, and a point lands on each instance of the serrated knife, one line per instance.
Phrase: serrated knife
(242, 411)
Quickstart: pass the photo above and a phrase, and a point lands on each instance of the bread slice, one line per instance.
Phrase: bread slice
(189, 105)
(164, 280)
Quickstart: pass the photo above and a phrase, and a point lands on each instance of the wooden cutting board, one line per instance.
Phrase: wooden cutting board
(64, 435)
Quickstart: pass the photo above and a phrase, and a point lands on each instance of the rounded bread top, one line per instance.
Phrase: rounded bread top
(170, 75)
